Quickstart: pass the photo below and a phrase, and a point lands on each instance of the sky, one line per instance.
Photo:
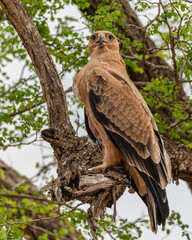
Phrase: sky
(129, 205)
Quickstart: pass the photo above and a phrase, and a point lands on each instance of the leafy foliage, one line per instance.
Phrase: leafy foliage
(106, 17)
(22, 209)
(22, 110)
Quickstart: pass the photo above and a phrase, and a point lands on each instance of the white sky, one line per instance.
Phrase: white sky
(130, 205)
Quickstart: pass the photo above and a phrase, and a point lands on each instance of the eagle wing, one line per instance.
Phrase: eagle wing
(129, 124)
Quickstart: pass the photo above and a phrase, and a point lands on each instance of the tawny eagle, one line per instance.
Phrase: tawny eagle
(118, 118)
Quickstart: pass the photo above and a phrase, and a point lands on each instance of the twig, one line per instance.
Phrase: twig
(4, 219)
(35, 198)
(31, 221)
(74, 208)
(188, 1)
(151, 65)
(111, 236)
(49, 233)
(28, 197)
(148, 24)
(133, 26)
(178, 122)
(77, 59)
(21, 143)
(91, 223)
(45, 5)
(7, 234)
(183, 68)
(69, 90)
(27, 109)
(115, 204)
(43, 169)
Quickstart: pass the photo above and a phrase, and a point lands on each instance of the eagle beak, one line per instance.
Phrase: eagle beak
(101, 39)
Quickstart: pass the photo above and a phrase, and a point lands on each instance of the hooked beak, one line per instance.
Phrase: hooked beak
(101, 39)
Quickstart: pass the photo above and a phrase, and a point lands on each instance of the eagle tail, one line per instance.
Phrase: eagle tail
(155, 200)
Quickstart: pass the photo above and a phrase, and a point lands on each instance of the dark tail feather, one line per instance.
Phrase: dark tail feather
(155, 200)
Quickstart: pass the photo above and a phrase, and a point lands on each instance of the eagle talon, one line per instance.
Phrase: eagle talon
(99, 168)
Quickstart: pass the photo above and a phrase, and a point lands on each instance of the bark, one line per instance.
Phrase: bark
(11, 180)
(75, 155)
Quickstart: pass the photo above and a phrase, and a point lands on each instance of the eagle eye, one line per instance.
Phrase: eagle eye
(110, 37)
(93, 37)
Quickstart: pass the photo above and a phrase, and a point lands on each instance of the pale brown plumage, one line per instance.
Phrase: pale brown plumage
(118, 118)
